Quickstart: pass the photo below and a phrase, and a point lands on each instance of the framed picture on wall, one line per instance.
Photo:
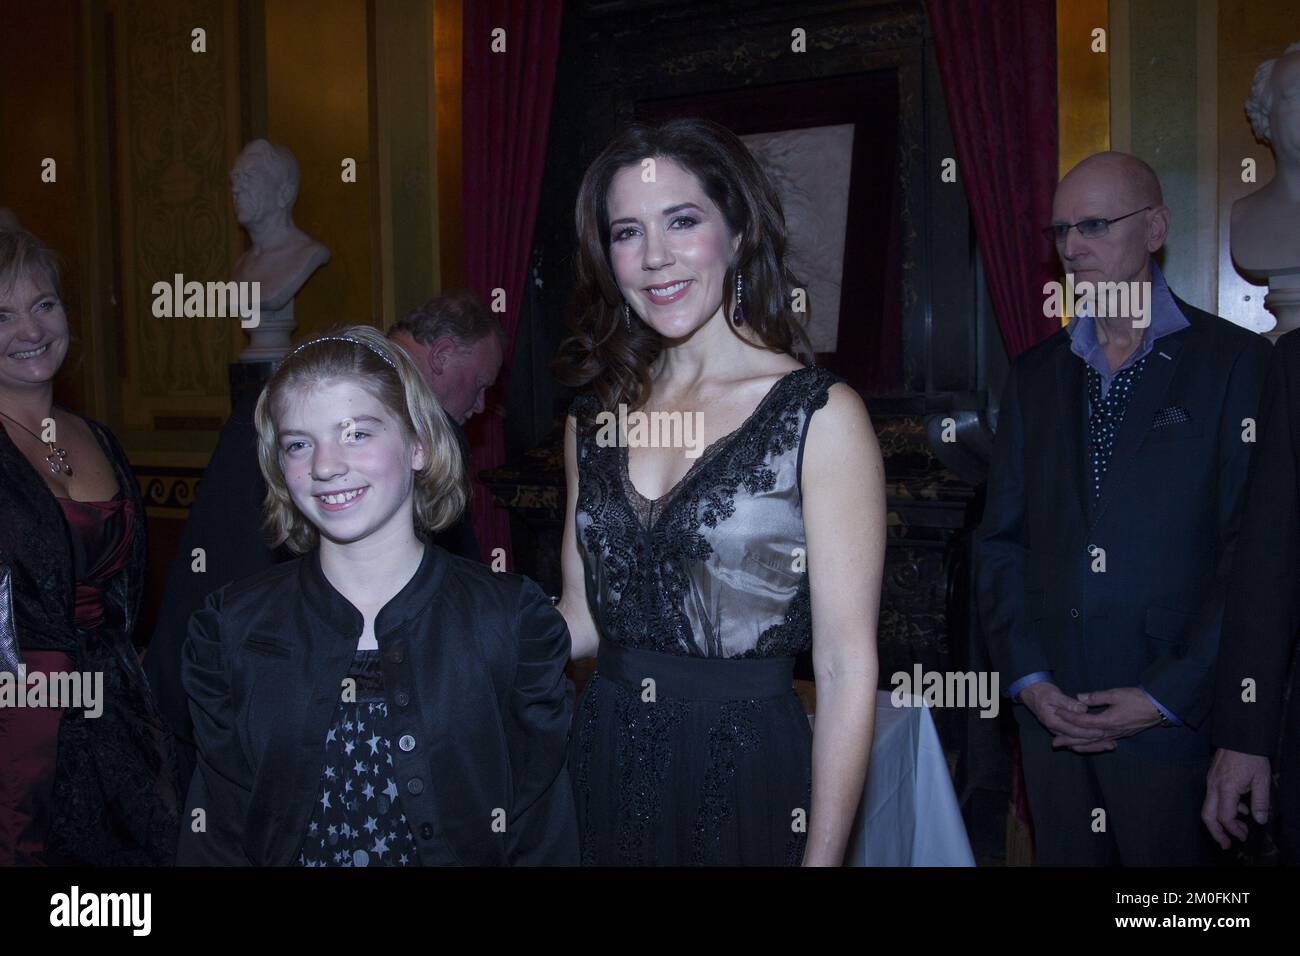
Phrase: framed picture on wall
(830, 148)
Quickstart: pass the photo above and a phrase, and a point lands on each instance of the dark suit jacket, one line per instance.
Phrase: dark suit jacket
(1166, 523)
(226, 522)
(1259, 621)
(478, 659)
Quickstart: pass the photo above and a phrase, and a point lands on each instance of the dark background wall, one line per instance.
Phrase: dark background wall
(621, 60)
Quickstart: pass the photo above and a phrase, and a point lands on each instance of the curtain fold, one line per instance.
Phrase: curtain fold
(997, 63)
(506, 111)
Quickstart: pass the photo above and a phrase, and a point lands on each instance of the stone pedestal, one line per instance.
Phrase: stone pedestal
(269, 341)
(1283, 300)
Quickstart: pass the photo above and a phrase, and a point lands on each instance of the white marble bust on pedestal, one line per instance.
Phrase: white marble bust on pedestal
(1265, 228)
(264, 186)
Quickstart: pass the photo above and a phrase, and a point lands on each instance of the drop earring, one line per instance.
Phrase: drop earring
(737, 314)
(627, 316)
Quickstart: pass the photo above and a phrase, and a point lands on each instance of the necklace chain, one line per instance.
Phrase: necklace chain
(56, 459)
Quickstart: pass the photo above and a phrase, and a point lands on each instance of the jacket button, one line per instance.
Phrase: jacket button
(396, 656)
(407, 743)
(1074, 612)
(402, 698)
(426, 831)
(415, 786)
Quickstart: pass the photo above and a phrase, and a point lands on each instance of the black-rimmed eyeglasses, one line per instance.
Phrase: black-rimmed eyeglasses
(1088, 228)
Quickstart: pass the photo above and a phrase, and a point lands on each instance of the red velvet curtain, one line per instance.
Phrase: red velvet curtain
(506, 111)
(997, 61)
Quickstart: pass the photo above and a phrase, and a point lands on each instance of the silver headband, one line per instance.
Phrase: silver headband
(343, 338)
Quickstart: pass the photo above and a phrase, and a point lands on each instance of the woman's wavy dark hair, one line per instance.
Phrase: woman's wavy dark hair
(601, 352)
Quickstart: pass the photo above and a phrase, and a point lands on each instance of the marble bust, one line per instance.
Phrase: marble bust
(1265, 225)
(281, 257)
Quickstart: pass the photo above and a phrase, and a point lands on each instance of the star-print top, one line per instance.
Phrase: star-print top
(358, 819)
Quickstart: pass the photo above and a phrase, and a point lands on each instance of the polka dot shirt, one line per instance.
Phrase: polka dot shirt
(1106, 416)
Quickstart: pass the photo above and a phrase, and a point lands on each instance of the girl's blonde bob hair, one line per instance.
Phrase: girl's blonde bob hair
(354, 354)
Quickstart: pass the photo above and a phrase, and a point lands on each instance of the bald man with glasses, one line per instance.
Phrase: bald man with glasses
(1114, 496)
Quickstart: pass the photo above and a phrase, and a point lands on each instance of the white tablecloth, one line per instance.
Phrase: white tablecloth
(909, 814)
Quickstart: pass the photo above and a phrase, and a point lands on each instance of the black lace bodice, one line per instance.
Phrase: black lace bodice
(715, 568)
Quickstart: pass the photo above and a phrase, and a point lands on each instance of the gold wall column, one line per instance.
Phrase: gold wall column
(1083, 81)
(1082, 85)
(404, 143)
(316, 103)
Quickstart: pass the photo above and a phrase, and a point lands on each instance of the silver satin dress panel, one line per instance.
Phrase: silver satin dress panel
(717, 566)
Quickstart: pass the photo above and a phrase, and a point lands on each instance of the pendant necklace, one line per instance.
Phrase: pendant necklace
(56, 459)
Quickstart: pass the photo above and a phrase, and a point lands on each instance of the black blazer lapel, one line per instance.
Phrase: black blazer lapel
(1072, 413)
(1151, 393)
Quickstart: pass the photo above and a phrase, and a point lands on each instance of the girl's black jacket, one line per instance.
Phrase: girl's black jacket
(473, 666)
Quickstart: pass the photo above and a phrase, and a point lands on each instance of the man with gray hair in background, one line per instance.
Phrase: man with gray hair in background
(457, 345)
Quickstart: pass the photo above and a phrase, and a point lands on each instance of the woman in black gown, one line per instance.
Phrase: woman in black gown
(82, 782)
(699, 561)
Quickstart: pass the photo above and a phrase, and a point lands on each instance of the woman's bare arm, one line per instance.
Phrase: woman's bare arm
(844, 522)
